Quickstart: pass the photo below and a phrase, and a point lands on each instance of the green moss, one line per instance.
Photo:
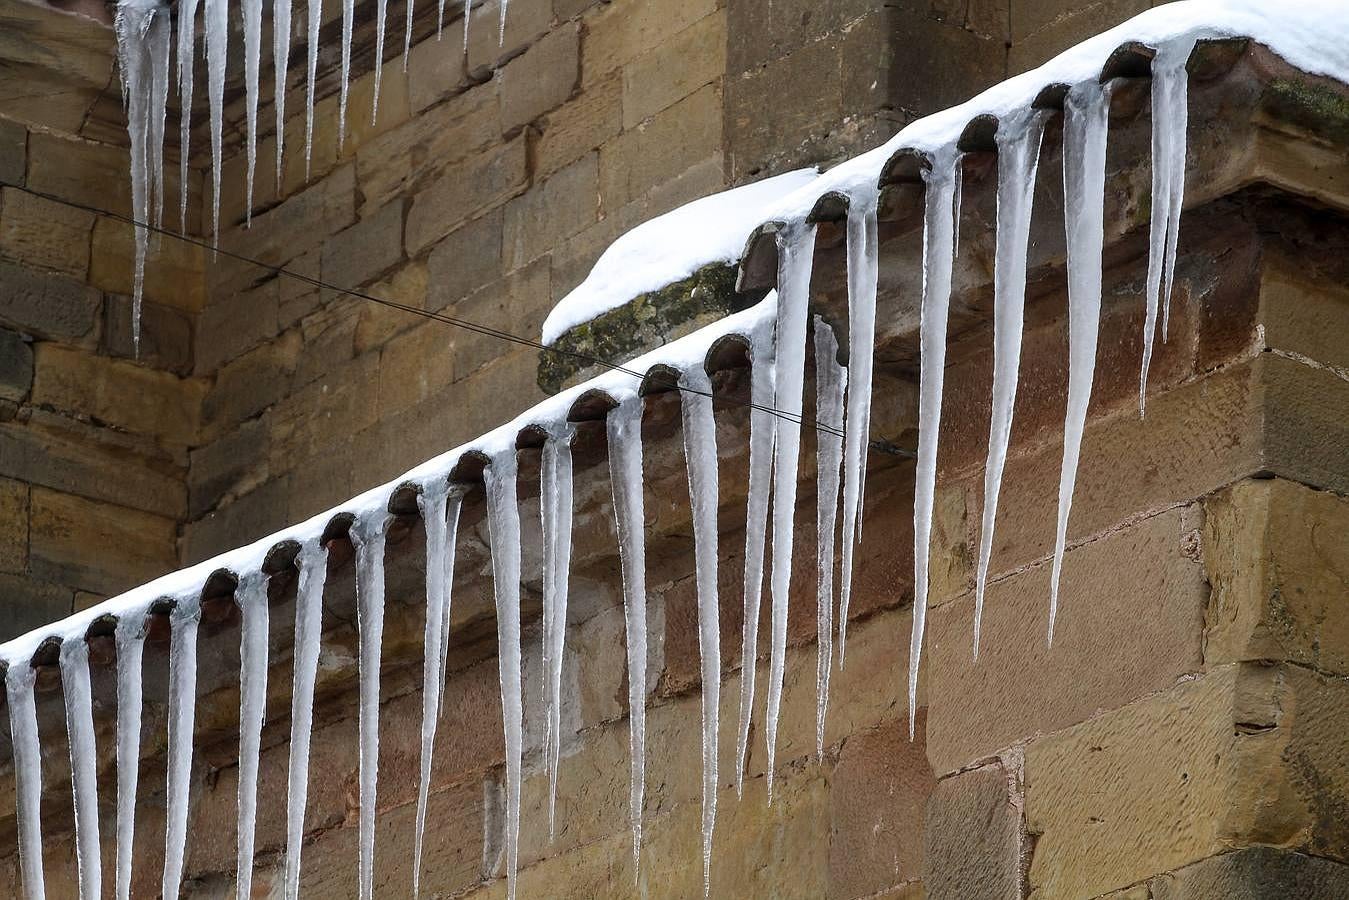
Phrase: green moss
(1314, 105)
(643, 323)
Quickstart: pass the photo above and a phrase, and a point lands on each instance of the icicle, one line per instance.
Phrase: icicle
(831, 380)
(159, 45)
(501, 37)
(130, 639)
(132, 23)
(281, 13)
(624, 427)
(938, 255)
(252, 596)
(762, 429)
(381, 16)
(367, 536)
(252, 10)
(1086, 114)
(348, 16)
(1018, 141)
(83, 757)
(555, 500)
(217, 41)
(796, 249)
(407, 36)
(468, 8)
(432, 503)
(187, 39)
(700, 452)
(182, 715)
(27, 774)
(315, 10)
(313, 565)
(1170, 118)
(503, 522)
(456, 503)
(863, 270)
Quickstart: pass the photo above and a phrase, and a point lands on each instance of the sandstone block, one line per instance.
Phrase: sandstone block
(324, 413)
(393, 107)
(618, 33)
(1042, 29)
(762, 32)
(357, 256)
(469, 258)
(551, 212)
(416, 366)
(1255, 874)
(13, 525)
(489, 47)
(244, 519)
(47, 305)
(231, 325)
(44, 233)
(876, 795)
(973, 837)
(13, 151)
(251, 382)
(578, 126)
(1301, 314)
(1142, 584)
(1277, 577)
(87, 172)
(674, 69)
(542, 78)
(465, 191)
(174, 270)
(673, 141)
(166, 335)
(68, 536)
(120, 393)
(16, 366)
(434, 75)
(232, 464)
(30, 603)
(514, 303)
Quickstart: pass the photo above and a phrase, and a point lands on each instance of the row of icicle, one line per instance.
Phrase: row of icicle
(777, 347)
(145, 44)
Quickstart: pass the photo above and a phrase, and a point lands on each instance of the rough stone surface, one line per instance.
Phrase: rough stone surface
(45, 234)
(16, 365)
(45, 304)
(67, 534)
(973, 837)
(1255, 874)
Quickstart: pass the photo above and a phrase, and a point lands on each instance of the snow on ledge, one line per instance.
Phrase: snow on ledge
(668, 248)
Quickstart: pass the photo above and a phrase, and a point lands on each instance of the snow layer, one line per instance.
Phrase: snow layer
(668, 248)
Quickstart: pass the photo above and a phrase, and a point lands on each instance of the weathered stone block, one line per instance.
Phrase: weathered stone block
(489, 47)
(47, 305)
(362, 253)
(876, 796)
(16, 366)
(434, 75)
(174, 269)
(166, 335)
(973, 837)
(416, 366)
(1255, 874)
(44, 233)
(1045, 28)
(551, 212)
(469, 258)
(541, 79)
(13, 151)
(29, 603)
(1144, 584)
(231, 325)
(672, 142)
(1277, 575)
(618, 33)
(233, 464)
(244, 519)
(68, 537)
(578, 126)
(13, 525)
(761, 32)
(511, 304)
(675, 68)
(85, 172)
(251, 382)
(464, 191)
(120, 393)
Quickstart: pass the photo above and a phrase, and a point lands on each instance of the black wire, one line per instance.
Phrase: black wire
(883, 446)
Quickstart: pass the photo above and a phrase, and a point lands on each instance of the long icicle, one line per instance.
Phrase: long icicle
(762, 431)
(348, 19)
(503, 523)
(863, 271)
(381, 19)
(83, 761)
(455, 504)
(432, 503)
(183, 621)
(1018, 141)
(624, 429)
(314, 11)
(187, 41)
(700, 454)
(407, 35)
(19, 680)
(367, 536)
(217, 45)
(1170, 116)
(252, 597)
(796, 252)
(555, 500)
(252, 10)
(938, 258)
(159, 43)
(313, 564)
(1086, 120)
(281, 16)
(132, 22)
(831, 381)
(130, 641)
